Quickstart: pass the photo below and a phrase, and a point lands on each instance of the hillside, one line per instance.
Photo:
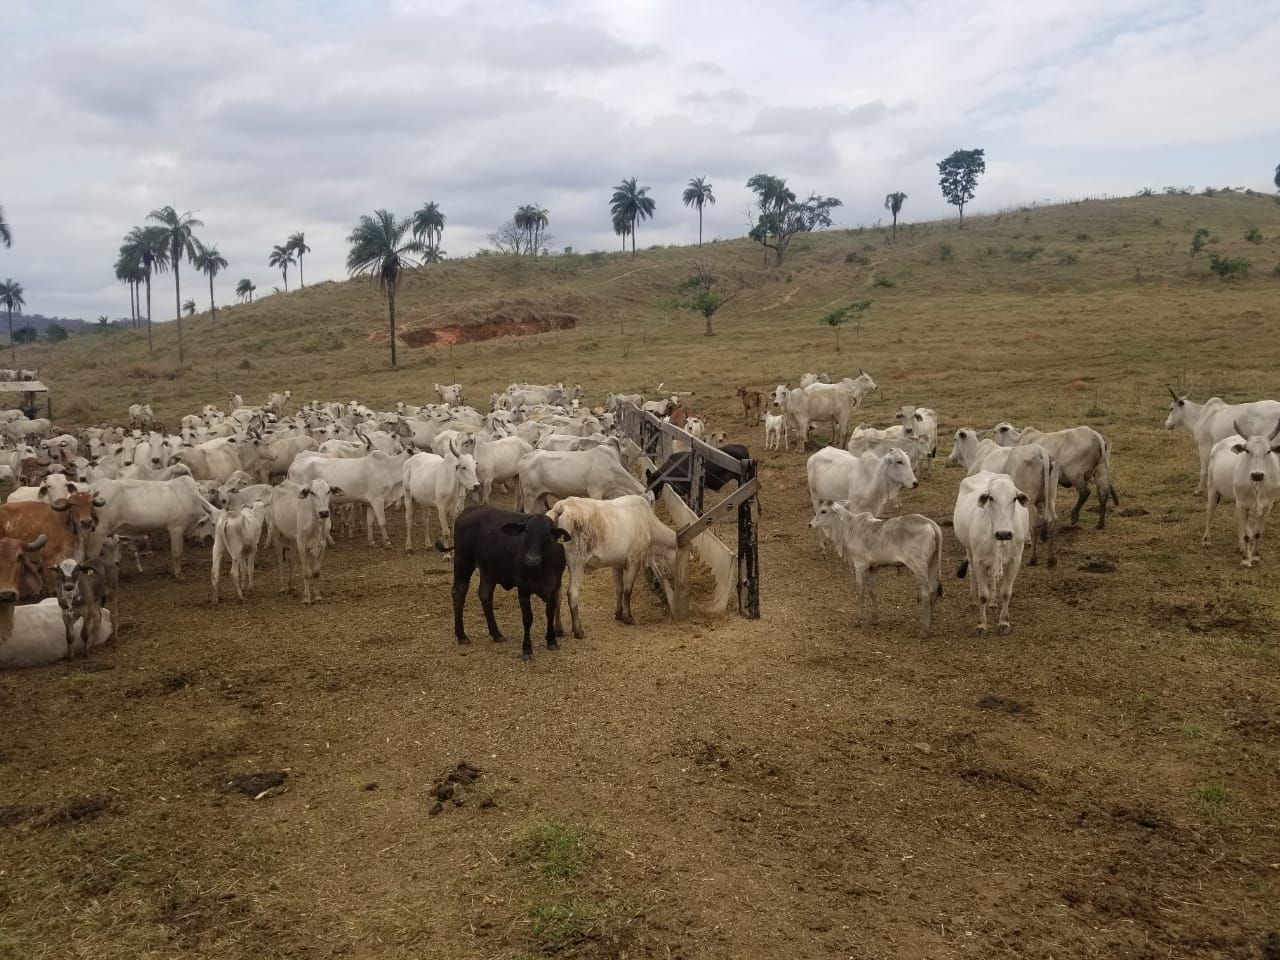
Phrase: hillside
(1126, 261)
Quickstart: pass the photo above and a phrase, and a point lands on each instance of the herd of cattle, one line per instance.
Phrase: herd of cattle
(260, 473)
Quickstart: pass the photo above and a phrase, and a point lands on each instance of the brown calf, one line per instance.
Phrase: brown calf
(752, 404)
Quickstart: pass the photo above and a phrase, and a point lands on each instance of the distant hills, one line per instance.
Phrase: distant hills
(39, 321)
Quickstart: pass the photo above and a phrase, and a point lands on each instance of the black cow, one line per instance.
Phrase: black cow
(510, 549)
(675, 472)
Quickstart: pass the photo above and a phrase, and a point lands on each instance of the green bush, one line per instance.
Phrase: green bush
(853, 256)
(1229, 268)
(1253, 235)
(945, 251)
(1020, 255)
(883, 280)
(55, 333)
(1198, 241)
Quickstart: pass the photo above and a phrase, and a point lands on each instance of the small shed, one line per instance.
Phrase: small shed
(22, 394)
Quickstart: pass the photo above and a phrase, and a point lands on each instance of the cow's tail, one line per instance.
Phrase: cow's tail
(962, 569)
(1047, 486)
(936, 564)
(1105, 487)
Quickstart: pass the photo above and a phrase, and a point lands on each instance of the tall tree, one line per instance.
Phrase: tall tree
(780, 216)
(281, 256)
(11, 300)
(298, 244)
(959, 177)
(244, 289)
(634, 203)
(1277, 187)
(6, 235)
(428, 228)
(148, 247)
(129, 271)
(179, 229)
(893, 203)
(380, 251)
(189, 308)
(698, 194)
(210, 262)
(539, 218)
(622, 227)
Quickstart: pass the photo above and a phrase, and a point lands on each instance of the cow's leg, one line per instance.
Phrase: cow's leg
(446, 525)
(486, 604)
(69, 625)
(461, 583)
(1102, 502)
(379, 510)
(237, 576)
(251, 561)
(175, 551)
(215, 563)
(1051, 535)
(1082, 494)
(1243, 538)
(926, 589)
(872, 573)
(408, 521)
(526, 618)
(317, 559)
(368, 523)
(1033, 530)
(982, 590)
(1203, 483)
(860, 575)
(626, 579)
(576, 571)
(553, 620)
(1006, 593)
(1212, 501)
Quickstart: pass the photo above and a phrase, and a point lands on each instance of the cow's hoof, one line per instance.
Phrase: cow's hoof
(527, 657)
(408, 549)
(306, 602)
(552, 645)
(1003, 629)
(1204, 541)
(578, 634)
(980, 632)
(498, 638)
(464, 640)
(1034, 561)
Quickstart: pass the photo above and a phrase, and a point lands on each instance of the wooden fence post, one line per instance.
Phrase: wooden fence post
(748, 556)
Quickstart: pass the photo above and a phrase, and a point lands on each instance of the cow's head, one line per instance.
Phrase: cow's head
(1180, 414)
(1002, 500)
(538, 537)
(898, 468)
(81, 508)
(464, 467)
(20, 568)
(317, 493)
(1259, 452)
(1006, 434)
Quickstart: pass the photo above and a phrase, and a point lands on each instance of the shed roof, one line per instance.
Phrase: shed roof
(22, 386)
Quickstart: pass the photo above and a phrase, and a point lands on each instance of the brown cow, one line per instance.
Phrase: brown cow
(20, 573)
(679, 415)
(752, 404)
(62, 525)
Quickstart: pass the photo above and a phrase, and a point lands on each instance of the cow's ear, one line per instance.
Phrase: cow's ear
(71, 488)
(336, 492)
(514, 529)
(898, 415)
(304, 493)
(1237, 448)
(984, 499)
(1021, 498)
(60, 505)
(561, 536)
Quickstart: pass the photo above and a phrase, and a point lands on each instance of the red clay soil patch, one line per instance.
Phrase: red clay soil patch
(518, 318)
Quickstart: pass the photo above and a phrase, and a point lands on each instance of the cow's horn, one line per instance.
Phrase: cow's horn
(99, 502)
(1172, 393)
(38, 543)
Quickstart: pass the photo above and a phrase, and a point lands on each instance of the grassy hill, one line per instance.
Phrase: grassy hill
(1002, 278)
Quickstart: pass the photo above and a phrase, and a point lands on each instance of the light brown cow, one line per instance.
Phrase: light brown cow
(752, 405)
(62, 525)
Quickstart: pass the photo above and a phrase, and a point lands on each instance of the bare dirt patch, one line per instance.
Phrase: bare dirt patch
(505, 318)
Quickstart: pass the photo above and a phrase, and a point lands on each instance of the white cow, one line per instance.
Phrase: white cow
(913, 447)
(450, 395)
(868, 482)
(572, 473)
(442, 482)
(622, 534)
(991, 522)
(34, 635)
(299, 529)
(1245, 469)
(498, 461)
(213, 460)
(867, 544)
(1082, 455)
(1032, 470)
(143, 506)
(374, 480)
(54, 488)
(1214, 420)
(775, 430)
(236, 536)
(819, 402)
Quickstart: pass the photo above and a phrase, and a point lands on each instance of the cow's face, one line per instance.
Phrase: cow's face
(318, 493)
(1259, 455)
(898, 466)
(465, 470)
(1006, 434)
(965, 439)
(827, 519)
(81, 508)
(19, 568)
(538, 535)
(1002, 500)
(1179, 414)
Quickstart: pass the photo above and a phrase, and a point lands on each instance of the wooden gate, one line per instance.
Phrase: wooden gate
(655, 438)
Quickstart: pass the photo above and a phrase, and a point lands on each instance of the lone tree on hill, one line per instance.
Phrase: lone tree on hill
(245, 288)
(959, 177)
(26, 335)
(632, 203)
(297, 244)
(210, 262)
(531, 220)
(380, 251)
(428, 227)
(189, 308)
(703, 297)
(181, 241)
(893, 203)
(837, 318)
(11, 299)
(698, 194)
(55, 333)
(281, 256)
(781, 216)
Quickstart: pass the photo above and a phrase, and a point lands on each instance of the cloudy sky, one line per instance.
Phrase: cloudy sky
(272, 116)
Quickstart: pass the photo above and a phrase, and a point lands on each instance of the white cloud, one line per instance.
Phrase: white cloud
(273, 116)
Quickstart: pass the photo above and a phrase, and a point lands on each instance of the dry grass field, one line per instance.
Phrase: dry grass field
(1099, 783)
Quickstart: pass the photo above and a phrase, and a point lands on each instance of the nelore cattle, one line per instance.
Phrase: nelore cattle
(1245, 469)
(1216, 420)
(519, 551)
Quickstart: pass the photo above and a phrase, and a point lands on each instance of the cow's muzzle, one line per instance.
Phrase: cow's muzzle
(323, 514)
(1004, 534)
(1257, 476)
(532, 560)
(8, 596)
(88, 525)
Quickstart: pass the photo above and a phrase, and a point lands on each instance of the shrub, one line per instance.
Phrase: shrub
(1082, 237)
(55, 333)
(245, 364)
(141, 371)
(945, 251)
(1157, 222)
(596, 257)
(1253, 235)
(25, 335)
(1198, 241)
(883, 280)
(1146, 192)
(1208, 192)
(1229, 268)
(1026, 255)
(853, 256)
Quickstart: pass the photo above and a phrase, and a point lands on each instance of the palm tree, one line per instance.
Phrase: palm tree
(698, 194)
(622, 227)
(189, 308)
(244, 289)
(893, 203)
(428, 227)
(6, 235)
(281, 256)
(523, 221)
(1277, 187)
(11, 300)
(380, 251)
(178, 229)
(297, 244)
(538, 218)
(130, 271)
(633, 203)
(148, 248)
(210, 262)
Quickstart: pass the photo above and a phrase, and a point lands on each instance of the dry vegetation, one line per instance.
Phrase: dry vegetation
(1100, 783)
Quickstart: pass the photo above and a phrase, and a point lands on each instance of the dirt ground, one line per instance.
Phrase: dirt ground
(1100, 783)
(269, 780)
